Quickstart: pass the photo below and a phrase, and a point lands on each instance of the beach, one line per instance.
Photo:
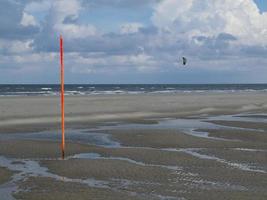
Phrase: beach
(135, 146)
(133, 100)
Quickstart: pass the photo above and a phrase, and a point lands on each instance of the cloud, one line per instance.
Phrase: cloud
(73, 31)
(240, 18)
(62, 19)
(216, 36)
(129, 28)
(68, 11)
(11, 16)
(38, 6)
(120, 3)
(15, 47)
(28, 20)
(103, 63)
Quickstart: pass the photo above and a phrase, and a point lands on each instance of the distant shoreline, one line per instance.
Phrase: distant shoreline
(115, 89)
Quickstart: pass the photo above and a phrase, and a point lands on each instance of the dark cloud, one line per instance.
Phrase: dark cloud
(215, 47)
(109, 43)
(71, 19)
(226, 37)
(254, 51)
(151, 30)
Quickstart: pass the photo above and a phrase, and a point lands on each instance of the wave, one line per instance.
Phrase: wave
(70, 90)
(46, 88)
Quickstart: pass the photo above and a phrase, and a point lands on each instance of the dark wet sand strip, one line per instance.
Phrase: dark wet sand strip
(102, 169)
(37, 149)
(258, 137)
(240, 124)
(175, 139)
(5, 175)
(49, 189)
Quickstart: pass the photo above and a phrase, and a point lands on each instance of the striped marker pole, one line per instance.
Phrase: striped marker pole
(62, 98)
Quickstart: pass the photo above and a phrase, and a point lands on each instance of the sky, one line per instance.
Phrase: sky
(133, 41)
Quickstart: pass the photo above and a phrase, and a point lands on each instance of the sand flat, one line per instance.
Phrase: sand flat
(175, 139)
(49, 189)
(240, 124)
(237, 134)
(5, 175)
(147, 163)
(253, 157)
(102, 169)
(37, 149)
(43, 112)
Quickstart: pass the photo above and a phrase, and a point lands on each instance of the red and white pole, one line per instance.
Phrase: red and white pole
(62, 98)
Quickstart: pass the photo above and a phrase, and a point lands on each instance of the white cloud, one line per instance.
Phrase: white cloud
(103, 63)
(28, 20)
(168, 11)
(35, 58)
(73, 31)
(61, 10)
(16, 46)
(38, 6)
(129, 28)
(240, 18)
(143, 62)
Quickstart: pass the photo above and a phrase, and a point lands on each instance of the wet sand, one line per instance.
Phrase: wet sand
(41, 188)
(244, 156)
(176, 139)
(248, 125)
(135, 147)
(239, 134)
(5, 175)
(22, 114)
(24, 149)
(49, 189)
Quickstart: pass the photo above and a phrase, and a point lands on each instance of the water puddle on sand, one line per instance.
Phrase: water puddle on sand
(30, 168)
(7, 189)
(24, 168)
(195, 152)
(97, 136)
(250, 150)
(78, 136)
(192, 126)
(184, 176)
(98, 156)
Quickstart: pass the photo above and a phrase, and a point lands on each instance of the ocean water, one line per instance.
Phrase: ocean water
(86, 89)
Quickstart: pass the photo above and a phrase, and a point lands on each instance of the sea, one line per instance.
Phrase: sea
(100, 89)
